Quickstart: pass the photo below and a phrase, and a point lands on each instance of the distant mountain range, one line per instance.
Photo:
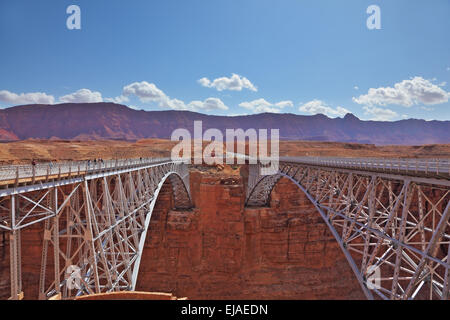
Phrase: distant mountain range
(113, 121)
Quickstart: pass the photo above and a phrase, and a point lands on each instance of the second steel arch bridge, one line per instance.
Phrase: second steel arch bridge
(389, 216)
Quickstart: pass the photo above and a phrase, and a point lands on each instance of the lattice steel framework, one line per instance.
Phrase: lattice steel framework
(393, 229)
(94, 224)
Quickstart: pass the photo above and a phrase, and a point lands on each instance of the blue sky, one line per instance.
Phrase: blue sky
(231, 57)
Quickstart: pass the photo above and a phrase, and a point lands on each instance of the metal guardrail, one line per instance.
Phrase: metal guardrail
(413, 166)
(423, 166)
(17, 172)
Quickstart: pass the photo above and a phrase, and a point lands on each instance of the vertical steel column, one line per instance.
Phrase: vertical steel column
(89, 236)
(47, 238)
(401, 236)
(14, 252)
(446, 289)
(56, 241)
(368, 235)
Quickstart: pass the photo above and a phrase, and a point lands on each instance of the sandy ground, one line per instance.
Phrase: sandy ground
(45, 150)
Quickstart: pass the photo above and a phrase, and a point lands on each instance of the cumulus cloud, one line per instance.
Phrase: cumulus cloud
(406, 93)
(318, 106)
(174, 104)
(284, 104)
(261, 105)
(208, 105)
(149, 92)
(205, 82)
(145, 91)
(26, 98)
(82, 96)
(234, 83)
(380, 114)
(120, 99)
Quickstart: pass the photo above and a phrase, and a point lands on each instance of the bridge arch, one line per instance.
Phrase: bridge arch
(182, 199)
(391, 216)
(259, 195)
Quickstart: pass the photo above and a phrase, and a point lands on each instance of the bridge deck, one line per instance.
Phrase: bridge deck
(430, 168)
(29, 174)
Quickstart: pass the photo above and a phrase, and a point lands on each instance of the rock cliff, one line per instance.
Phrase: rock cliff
(221, 250)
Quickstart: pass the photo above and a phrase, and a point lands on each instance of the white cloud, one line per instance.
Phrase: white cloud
(149, 92)
(26, 98)
(261, 105)
(318, 106)
(145, 91)
(237, 114)
(120, 99)
(174, 104)
(356, 87)
(406, 93)
(208, 105)
(205, 82)
(82, 96)
(135, 107)
(284, 104)
(234, 83)
(380, 114)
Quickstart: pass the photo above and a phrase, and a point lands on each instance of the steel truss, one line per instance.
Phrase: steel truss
(94, 225)
(394, 230)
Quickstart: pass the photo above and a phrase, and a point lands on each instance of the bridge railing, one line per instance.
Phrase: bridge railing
(70, 168)
(426, 166)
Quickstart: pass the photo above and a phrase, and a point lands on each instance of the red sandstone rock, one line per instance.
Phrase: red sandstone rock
(221, 250)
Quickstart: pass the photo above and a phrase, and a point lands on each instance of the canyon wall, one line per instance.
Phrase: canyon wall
(222, 250)
(31, 249)
(4, 267)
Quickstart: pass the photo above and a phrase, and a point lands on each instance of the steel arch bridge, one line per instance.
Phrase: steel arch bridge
(95, 216)
(390, 218)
